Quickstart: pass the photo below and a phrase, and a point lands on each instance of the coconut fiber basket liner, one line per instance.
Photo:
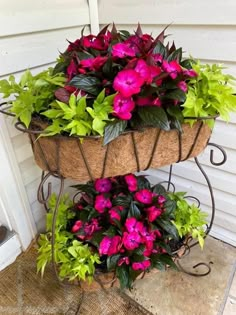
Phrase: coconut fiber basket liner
(130, 152)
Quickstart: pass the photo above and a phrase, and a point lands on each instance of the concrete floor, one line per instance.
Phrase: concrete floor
(164, 293)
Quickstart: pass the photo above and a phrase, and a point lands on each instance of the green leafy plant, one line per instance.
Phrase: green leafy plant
(32, 94)
(189, 219)
(74, 259)
(210, 93)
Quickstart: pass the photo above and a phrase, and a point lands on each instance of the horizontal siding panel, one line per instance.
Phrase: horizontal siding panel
(29, 171)
(41, 15)
(223, 234)
(32, 50)
(186, 12)
(222, 134)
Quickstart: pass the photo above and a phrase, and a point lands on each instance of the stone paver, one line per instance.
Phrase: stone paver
(176, 293)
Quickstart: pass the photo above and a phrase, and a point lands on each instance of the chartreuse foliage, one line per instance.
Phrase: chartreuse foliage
(77, 118)
(32, 94)
(210, 93)
(73, 258)
(189, 219)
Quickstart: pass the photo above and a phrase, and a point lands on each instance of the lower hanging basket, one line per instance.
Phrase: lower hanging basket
(130, 152)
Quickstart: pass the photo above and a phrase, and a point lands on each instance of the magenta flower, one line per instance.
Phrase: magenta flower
(142, 265)
(128, 82)
(122, 50)
(114, 215)
(93, 64)
(131, 240)
(71, 70)
(173, 68)
(147, 236)
(148, 248)
(161, 199)
(123, 260)
(182, 85)
(143, 70)
(157, 57)
(144, 101)
(157, 233)
(190, 73)
(123, 106)
(157, 102)
(103, 185)
(144, 196)
(96, 42)
(132, 225)
(132, 182)
(92, 227)
(101, 203)
(153, 213)
(77, 226)
(110, 245)
(155, 71)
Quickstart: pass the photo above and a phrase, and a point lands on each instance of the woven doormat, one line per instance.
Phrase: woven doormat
(24, 292)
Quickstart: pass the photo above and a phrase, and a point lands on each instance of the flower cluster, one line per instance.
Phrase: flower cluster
(137, 67)
(124, 219)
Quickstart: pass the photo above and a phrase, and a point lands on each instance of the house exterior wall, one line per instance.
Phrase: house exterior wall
(32, 33)
(206, 30)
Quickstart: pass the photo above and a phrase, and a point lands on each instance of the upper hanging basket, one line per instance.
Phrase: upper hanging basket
(132, 151)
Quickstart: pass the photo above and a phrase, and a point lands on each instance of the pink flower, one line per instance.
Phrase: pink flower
(161, 199)
(142, 265)
(77, 226)
(123, 106)
(114, 215)
(190, 73)
(93, 64)
(173, 68)
(157, 233)
(128, 82)
(144, 101)
(144, 196)
(96, 42)
(155, 71)
(147, 236)
(148, 248)
(131, 240)
(71, 70)
(143, 70)
(132, 225)
(103, 185)
(90, 228)
(153, 213)
(110, 245)
(157, 102)
(101, 203)
(157, 57)
(182, 85)
(122, 50)
(132, 182)
(123, 260)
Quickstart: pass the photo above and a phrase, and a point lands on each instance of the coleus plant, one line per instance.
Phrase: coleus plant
(105, 84)
(129, 226)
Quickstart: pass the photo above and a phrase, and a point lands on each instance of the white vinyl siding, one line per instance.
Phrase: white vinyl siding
(32, 33)
(206, 30)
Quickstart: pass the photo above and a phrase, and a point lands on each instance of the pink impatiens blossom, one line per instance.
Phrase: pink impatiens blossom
(110, 245)
(142, 265)
(114, 215)
(143, 70)
(144, 100)
(153, 213)
(157, 102)
(148, 248)
(182, 85)
(123, 260)
(91, 227)
(103, 185)
(71, 70)
(102, 203)
(123, 106)
(155, 71)
(93, 64)
(132, 182)
(128, 82)
(77, 226)
(131, 240)
(190, 73)
(144, 196)
(122, 50)
(161, 199)
(132, 225)
(157, 57)
(173, 68)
